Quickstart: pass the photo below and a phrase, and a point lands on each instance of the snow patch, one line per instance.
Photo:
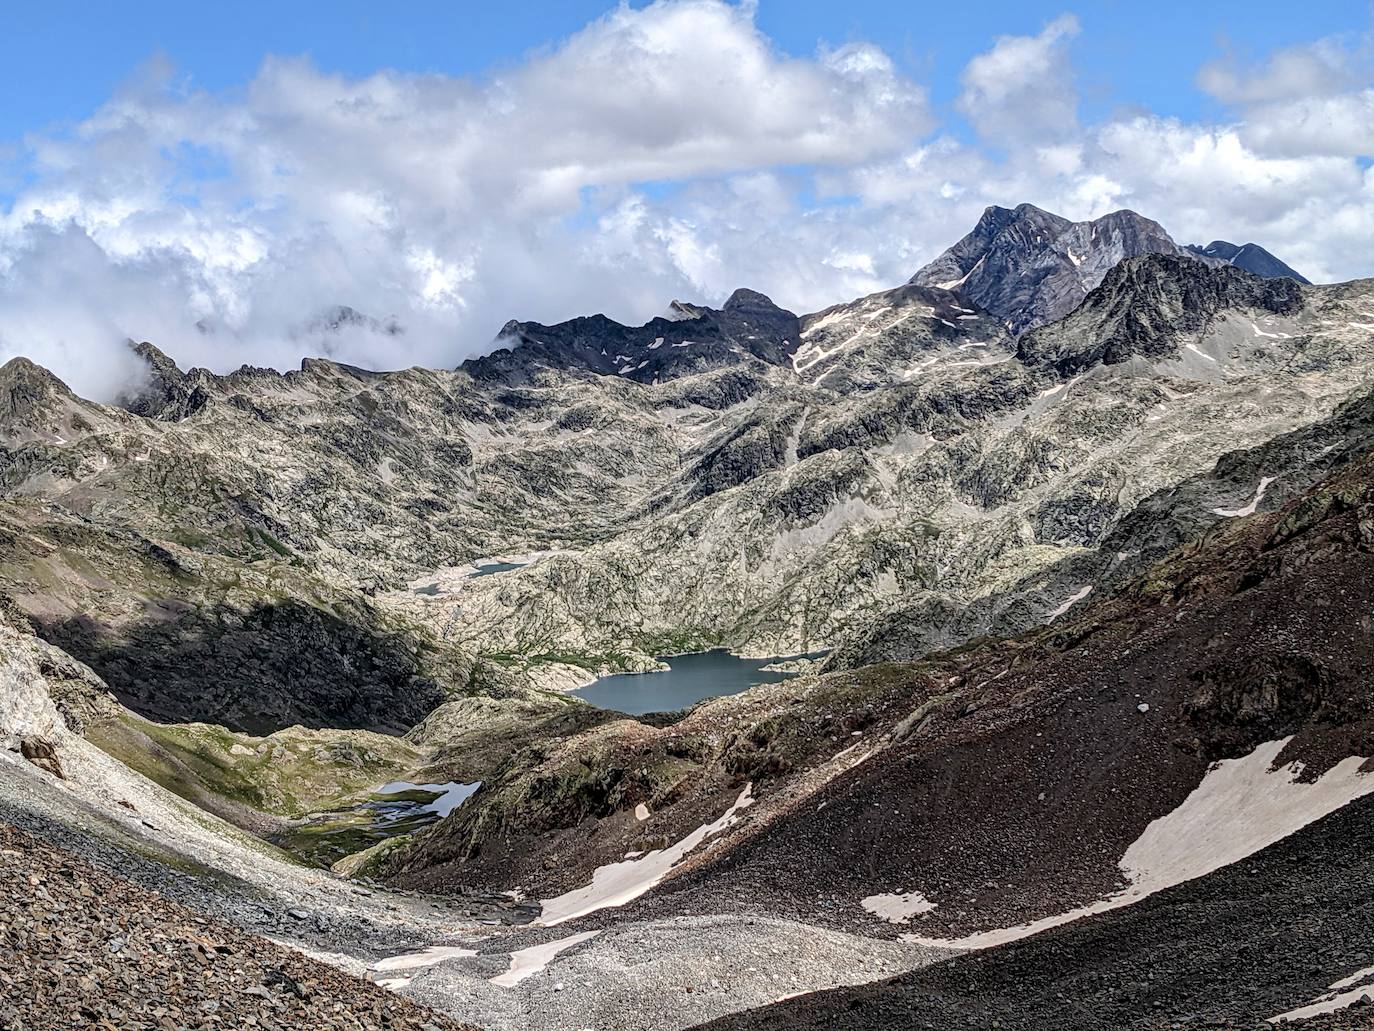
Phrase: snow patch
(962, 279)
(839, 315)
(528, 962)
(1345, 992)
(1248, 510)
(1070, 602)
(1199, 353)
(619, 883)
(1328, 1003)
(429, 957)
(897, 909)
(1242, 806)
(1062, 386)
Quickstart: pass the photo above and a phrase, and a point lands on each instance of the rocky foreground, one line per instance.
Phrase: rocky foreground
(82, 948)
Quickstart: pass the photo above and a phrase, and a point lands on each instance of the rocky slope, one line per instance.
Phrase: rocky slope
(81, 947)
(1239, 948)
(776, 484)
(974, 496)
(879, 779)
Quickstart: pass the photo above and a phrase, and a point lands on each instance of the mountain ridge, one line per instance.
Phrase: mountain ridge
(1035, 575)
(1030, 267)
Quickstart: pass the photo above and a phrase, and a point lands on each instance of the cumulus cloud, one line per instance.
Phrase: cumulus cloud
(1022, 89)
(1322, 68)
(446, 204)
(667, 151)
(1314, 99)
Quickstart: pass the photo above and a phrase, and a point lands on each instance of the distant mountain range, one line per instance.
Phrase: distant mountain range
(1069, 542)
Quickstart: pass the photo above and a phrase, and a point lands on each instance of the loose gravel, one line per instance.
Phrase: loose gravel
(82, 948)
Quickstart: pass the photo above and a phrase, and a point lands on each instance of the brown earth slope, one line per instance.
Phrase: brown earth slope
(1017, 796)
(1231, 950)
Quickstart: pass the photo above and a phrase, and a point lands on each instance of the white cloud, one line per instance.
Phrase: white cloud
(1022, 89)
(669, 151)
(448, 203)
(1315, 69)
(1314, 99)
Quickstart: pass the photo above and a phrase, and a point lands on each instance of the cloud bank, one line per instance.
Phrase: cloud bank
(669, 151)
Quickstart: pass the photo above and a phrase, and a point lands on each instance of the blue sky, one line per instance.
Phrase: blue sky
(168, 168)
(60, 60)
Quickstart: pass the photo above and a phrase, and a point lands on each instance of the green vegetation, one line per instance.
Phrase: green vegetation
(289, 774)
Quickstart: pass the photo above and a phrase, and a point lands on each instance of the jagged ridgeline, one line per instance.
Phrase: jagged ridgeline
(1061, 499)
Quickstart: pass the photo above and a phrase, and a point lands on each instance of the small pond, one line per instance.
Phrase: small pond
(397, 808)
(450, 795)
(687, 680)
(488, 568)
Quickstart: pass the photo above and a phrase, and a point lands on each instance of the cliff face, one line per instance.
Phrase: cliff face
(1030, 267)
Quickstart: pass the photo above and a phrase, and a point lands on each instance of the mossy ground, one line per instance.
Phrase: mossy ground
(259, 782)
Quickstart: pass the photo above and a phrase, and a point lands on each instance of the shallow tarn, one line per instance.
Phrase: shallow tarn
(689, 679)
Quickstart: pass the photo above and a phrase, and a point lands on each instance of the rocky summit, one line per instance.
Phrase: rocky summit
(1057, 558)
(1030, 267)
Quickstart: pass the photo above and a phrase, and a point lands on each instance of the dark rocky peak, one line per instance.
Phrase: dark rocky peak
(690, 339)
(745, 300)
(28, 389)
(1145, 305)
(1251, 257)
(159, 363)
(341, 317)
(1029, 266)
(166, 393)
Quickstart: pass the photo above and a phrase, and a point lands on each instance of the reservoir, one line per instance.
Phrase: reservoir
(688, 680)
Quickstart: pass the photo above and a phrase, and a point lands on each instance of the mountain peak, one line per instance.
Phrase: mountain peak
(744, 298)
(1142, 307)
(1030, 267)
(167, 394)
(158, 361)
(1249, 256)
(25, 374)
(27, 390)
